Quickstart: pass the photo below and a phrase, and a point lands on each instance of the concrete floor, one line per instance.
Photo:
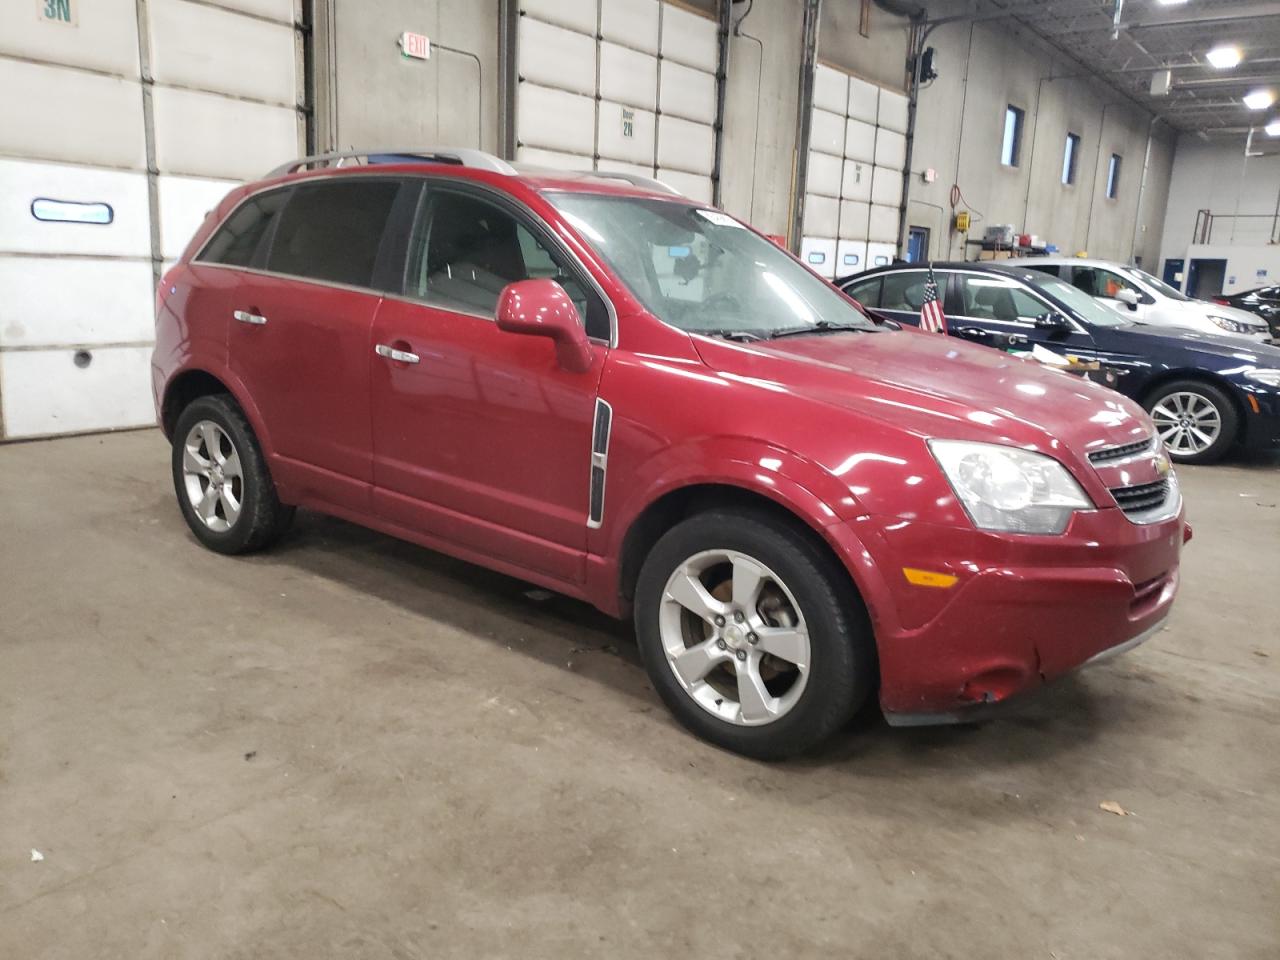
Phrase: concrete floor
(354, 747)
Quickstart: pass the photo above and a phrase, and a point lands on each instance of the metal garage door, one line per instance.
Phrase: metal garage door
(122, 123)
(853, 193)
(623, 85)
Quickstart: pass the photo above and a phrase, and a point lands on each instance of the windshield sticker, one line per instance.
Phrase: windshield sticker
(719, 219)
(678, 253)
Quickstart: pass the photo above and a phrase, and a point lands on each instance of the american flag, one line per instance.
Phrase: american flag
(932, 319)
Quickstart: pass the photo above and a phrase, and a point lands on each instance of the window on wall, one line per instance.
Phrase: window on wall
(1070, 154)
(1011, 150)
(1113, 176)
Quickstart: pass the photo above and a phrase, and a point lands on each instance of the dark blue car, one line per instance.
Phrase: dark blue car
(1205, 393)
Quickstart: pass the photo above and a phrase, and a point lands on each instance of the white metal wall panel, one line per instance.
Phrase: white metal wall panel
(886, 186)
(692, 185)
(61, 114)
(688, 38)
(555, 57)
(883, 225)
(554, 119)
(819, 254)
(860, 141)
(688, 93)
(851, 257)
(864, 100)
(22, 181)
(685, 145)
(628, 76)
(631, 22)
(46, 392)
(192, 134)
(856, 182)
(105, 37)
(578, 15)
(854, 215)
(621, 166)
(891, 149)
(821, 215)
(881, 254)
(826, 132)
(893, 111)
(830, 90)
(184, 203)
(193, 45)
(553, 159)
(40, 308)
(824, 174)
(279, 10)
(637, 148)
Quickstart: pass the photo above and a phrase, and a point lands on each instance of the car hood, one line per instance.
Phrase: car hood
(1141, 337)
(936, 387)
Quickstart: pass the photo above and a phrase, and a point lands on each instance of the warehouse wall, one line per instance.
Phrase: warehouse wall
(983, 68)
(880, 57)
(1219, 177)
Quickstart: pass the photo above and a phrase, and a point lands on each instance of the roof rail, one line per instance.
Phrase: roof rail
(649, 183)
(459, 156)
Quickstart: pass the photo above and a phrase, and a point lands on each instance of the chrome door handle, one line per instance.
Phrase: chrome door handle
(973, 332)
(245, 316)
(391, 353)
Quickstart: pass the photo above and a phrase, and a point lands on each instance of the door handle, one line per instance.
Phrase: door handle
(245, 316)
(973, 332)
(391, 353)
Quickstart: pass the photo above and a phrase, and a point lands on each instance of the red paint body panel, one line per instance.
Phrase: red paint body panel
(483, 450)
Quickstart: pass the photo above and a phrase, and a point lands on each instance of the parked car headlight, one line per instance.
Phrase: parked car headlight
(1004, 488)
(1235, 326)
(1264, 375)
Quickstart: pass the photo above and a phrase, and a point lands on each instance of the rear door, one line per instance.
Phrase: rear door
(299, 331)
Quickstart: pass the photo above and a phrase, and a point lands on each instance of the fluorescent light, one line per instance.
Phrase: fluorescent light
(1259, 99)
(1273, 128)
(1171, 3)
(1225, 57)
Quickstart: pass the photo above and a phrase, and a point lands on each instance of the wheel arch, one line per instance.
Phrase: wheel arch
(1163, 379)
(192, 383)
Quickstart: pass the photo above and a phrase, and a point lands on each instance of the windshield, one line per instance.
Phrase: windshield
(1088, 309)
(1158, 285)
(701, 271)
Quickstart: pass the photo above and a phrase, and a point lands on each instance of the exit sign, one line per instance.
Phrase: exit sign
(58, 11)
(415, 45)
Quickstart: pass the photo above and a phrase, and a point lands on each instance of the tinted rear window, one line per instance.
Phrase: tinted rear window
(332, 231)
(235, 242)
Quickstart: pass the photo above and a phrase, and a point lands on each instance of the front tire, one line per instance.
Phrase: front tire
(1197, 421)
(751, 634)
(220, 476)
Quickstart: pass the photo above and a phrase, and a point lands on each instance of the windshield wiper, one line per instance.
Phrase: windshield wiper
(822, 326)
(742, 335)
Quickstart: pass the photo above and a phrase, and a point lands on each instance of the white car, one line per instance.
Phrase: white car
(1141, 297)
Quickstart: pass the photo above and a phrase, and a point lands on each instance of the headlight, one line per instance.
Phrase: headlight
(1004, 488)
(1235, 326)
(1270, 378)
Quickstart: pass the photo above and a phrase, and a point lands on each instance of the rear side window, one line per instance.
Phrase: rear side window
(905, 291)
(235, 242)
(866, 292)
(332, 231)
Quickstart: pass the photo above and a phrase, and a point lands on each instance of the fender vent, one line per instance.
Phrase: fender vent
(599, 461)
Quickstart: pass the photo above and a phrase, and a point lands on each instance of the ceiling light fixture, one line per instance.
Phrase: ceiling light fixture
(1224, 57)
(1171, 3)
(1259, 99)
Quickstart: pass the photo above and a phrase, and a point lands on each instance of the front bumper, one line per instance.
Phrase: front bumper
(1021, 610)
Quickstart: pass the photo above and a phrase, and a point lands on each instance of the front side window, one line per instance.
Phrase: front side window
(987, 297)
(237, 240)
(1080, 303)
(701, 271)
(331, 230)
(1100, 282)
(1011, 148)
(467, 249)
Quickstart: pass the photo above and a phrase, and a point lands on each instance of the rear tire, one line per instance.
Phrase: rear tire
(1196, 420)
(220, 476)
(752, 634)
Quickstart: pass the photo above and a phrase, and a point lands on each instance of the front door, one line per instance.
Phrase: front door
(299, 333)
(480, 438)
(1001, 312)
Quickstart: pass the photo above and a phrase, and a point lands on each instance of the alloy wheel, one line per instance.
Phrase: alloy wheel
(212, 476)
(735, 637)
(1187, 422)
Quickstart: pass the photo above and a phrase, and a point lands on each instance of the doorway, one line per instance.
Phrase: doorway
(917, 244)
(1173, 272)
(1205, 278)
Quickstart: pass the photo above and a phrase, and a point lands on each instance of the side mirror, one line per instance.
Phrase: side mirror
(1129, 297)
(541, 308)
(1053, 323)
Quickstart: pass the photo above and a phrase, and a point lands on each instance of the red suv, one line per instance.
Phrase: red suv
(594, 384)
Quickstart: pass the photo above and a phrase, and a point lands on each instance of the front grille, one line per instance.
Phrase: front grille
(1141, 497)
(1121, 452)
